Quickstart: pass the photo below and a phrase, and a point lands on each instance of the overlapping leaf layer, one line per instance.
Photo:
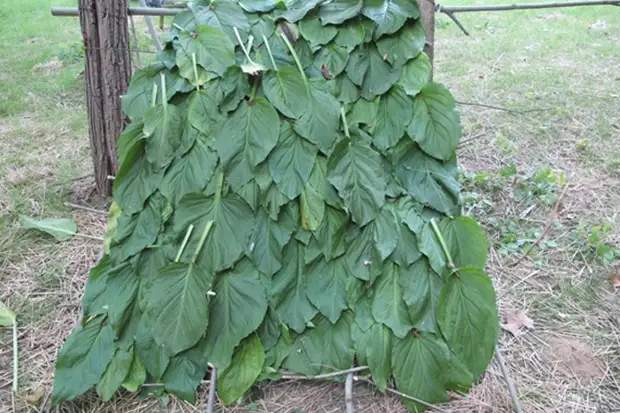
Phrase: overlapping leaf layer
(287, 199)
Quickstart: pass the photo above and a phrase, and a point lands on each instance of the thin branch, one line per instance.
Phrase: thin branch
(348, 393)
(550, 220)
(403, 395)
(212, 390)
(457, 21)
(292, 376)
(151, 27)
(85, 208)
(502, 108)
(135, 39)
(510, 7)
(511, 386)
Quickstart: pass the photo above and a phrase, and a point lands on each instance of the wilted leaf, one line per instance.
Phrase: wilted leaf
(63, 229)
(515, 322)
(246, 365)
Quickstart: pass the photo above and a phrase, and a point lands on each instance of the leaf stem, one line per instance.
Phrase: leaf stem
(243, 48)
(273, 61)
(442, 242)
(253, 91)
(154, 95)
(15, 356)
(203, 238)
(184, 243)
(219, 186)
(195, 71)
(164, 98)
(343, 115)
(291, 49)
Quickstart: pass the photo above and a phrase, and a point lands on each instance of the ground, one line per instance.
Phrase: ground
(546, 155)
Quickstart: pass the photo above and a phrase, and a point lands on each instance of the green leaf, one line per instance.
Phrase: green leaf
(233, 222)
(331, 233)
(468, 319)
(115, 373)
(337, 11)
(190, 173)
(332, 58)
(7, 317)
(266, 243)
(327, 287)
(416, 73)
(390, 15)
(323, 349)
(136, 375)
(246, 139)
(388, 306)
(163, 127)
(136, 180)
(289, 289)
(291, 162)
(63, 229)
(214, 51)
(362, 257)
(269, 331)
(82, 360)
(429, 181)
(185, 372)
(393, 115)
(436, 125)
(345, 90)
(262, 6)
(409, 212)
(355, 169)
(407, 251)
(178, 306)
(154, 357)
(131, 135)
(363, 112)
(297, 9)
(246, 365)
(121, 290)
(312, 208)
(466, 241)
(223, 15)
(385, 231)
(421, 287)
(321, 118)
(236, 311)
(350, 34)
(367, 69)
(285, 88)
(379, 354)
(203, 114)
(404, 45)
(430, 246)
(93, 300)
(418, 363)
(315, 33)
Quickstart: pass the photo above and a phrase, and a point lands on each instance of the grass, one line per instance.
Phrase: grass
(556, 70)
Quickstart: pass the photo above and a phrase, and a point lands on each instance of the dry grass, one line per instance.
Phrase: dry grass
(564, 63)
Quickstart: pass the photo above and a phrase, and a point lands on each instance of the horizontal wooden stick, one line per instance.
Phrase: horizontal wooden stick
(132, 11)
(508, 7)
(292, 376)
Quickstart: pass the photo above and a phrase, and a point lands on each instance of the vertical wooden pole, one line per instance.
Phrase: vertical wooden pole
(107, 70)
(427, 10)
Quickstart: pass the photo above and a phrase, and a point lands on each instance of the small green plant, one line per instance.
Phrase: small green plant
(596, 243)
(71, 53)
(541, 186)
(9, 319)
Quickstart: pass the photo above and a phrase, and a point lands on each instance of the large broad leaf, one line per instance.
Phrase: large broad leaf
(390, 15)
(246, 365)
(114, 374)
(203, 115)
(386, 231)
(388, 306)
(93, 300)
(82, 360)
(285, 88)
(246, 139)
(214, 51)
(407, 250)
(320, 119)
(315, 33)
(223, 15)
(368, 69)
(337, 11)
(379, 354)
(178, 306)
(436, 125)
(121, 291)
(153, 357)
(253, 6)
(421, 287)
(429, 181)
(267, 241)
(362, 257)
(136, 180)
(418, 363)
(239, 306)
(185, 372)
(269, 331)
(416, 73)
(289, 289)
(331, 60)
(163, 128)
(345, 90)
(466, 241)
(190, 173)
(467, 317)
(406, 44)
(63, 229)
(323, 349)
(431, 248)
(327, 287)
(233, 222)
(331, 233)
(136, 376)
(355, 169)
(364, 112)
(7, 316)
(297, 9)
(393, 115)
(350, 34)
(291, 162)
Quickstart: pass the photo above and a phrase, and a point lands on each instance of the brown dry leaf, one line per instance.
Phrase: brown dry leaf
(615, 280)
(516, 321)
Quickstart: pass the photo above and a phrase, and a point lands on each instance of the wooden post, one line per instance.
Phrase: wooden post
(106, 43)
(427, 10)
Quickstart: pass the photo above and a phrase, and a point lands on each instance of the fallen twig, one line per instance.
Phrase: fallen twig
(550, 220)
(403, 395)
(502, 108)
(85, 208)
(292, 376)
(348, 393)
(511, 387)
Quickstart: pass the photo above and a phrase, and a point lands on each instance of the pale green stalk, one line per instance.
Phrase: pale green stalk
(184, 243)
(442, 242)
(273, 61)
